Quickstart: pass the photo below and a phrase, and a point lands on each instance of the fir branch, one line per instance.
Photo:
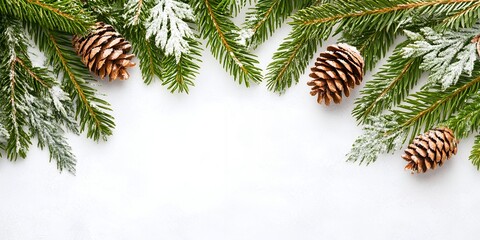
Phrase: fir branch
(150, 57)
(379, 136)
(265, 17)
(290, 62)
(118, 13)
(91, 111)
(216, 26)
(372, 43)
(48, 133)
(233, 7)
(475, 154)
(382, 13)
(446, 55)
(433, 105)
(467, 120)
(389, 86)
(135, 11)
(464, 18)
(318, 22)
(12, 101)
(27, 104)
(62, 15)
(423, 110)
(63, 110)
(179, 76)
(13, 87)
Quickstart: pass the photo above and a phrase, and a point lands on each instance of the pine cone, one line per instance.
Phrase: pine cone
(105, 52)
(430, 149)
(336, 71)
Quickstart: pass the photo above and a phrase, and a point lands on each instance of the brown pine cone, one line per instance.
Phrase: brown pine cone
(336, 71)
(105, 52)
(430, 149)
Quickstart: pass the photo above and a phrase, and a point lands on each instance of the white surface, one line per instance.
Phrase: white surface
(230, 163)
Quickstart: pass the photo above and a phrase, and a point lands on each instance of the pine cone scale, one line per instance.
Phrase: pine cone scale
(354, 56)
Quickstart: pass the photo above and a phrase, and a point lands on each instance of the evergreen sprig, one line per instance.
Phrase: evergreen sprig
(179, 76)
(475, 154)
(319, 22)
(420, 111)
(150, 39)
(289, 62)
(59, 15)
(221, 33)
(266, 16)
(32, 102)
(389, 86)
(372, 43)
(93, 113)
(467, 120)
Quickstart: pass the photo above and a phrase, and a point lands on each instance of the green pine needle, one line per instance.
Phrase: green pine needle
(92, 112)
(216, 26)
(266, 16)
(467, 120)
(372, 43)
(389, 86)
(61, 15)
(179, 76)
(475, 154)
(290, 62)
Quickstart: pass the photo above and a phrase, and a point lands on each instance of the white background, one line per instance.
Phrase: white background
(229, 163)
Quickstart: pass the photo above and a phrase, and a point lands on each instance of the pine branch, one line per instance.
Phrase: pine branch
(372, 43)
(290, 62)
(167, 27)
(475, 154)
(63, 110)
(389, 86)
(216, 26)
(12, 101)
(467, 120)
(379, 136)
(135, 11)
(266, 16)
(48, 133)
(62, 15)
(131, 26)
(91, 111)
(13, 88)
(117, 12)
(318, 22)
(464, 18)
(433, 105)
(423, 110)
(233, 7)
(150, 58)
(179, 76)
(28, 108)
(382, 13)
